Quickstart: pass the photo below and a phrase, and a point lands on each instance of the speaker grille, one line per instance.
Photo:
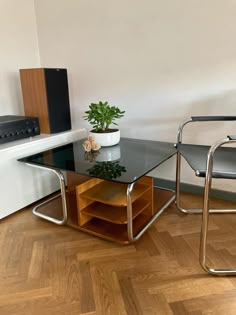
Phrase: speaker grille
(58, 99)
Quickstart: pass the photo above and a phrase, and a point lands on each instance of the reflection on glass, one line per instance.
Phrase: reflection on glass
(106, 170)
(91, 156)
(109, 154)
(103, 155)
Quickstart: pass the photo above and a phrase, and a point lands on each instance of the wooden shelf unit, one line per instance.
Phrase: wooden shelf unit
(111, 231)
(102, 206)
(112, 194)
(112, 214)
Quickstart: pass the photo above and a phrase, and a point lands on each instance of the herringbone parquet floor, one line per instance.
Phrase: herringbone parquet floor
(53, 270)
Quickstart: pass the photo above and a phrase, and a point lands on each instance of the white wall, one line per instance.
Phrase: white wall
(19, 49)
(160, 60)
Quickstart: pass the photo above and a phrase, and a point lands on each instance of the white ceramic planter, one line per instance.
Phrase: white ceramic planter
(106, 139)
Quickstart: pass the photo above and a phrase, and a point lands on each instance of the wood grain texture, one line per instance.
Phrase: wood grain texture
(35, 96)
(116, 215)
(102, 206)
(114, 194)
(84, 202)
(48, 269)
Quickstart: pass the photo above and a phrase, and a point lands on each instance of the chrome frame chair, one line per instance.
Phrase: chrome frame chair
(209, 156)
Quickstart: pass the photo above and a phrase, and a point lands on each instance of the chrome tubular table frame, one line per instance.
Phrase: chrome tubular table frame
(61, 178)
(153, 153)
(131, 236)
(63, 197)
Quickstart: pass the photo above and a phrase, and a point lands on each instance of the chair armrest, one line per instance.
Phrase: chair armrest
(213, 118)
(232, 137)
(201, 119)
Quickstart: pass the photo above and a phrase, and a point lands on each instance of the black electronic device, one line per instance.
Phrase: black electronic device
(13, 128)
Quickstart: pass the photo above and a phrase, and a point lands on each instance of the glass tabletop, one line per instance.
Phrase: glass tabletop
(125, 162)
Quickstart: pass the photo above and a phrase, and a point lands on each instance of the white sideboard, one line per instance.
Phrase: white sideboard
(21, 185)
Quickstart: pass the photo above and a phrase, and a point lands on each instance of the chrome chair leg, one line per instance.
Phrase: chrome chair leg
(205, 221)
(178, 174)
(178, 181)
(208, 181)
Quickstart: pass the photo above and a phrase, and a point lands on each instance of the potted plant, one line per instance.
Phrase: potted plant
(101, 116)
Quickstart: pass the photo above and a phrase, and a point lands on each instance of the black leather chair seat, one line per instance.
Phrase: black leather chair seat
(224, 163)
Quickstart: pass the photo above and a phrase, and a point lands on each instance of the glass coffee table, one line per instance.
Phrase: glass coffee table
(107, 193)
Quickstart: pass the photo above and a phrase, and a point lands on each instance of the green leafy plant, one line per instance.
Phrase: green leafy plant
(102, 115)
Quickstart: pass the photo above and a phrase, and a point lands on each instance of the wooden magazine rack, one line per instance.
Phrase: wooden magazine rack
(101, 206)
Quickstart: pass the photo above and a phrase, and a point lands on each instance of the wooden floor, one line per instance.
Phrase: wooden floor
(52, 270)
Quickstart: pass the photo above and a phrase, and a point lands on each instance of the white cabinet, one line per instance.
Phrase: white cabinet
(21, 185)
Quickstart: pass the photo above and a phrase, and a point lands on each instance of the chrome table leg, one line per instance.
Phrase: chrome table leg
(63, 197)
(131, 236)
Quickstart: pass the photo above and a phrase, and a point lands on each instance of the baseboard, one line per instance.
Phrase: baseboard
(198, 190)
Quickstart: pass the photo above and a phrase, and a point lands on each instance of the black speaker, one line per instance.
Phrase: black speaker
(46, 96)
